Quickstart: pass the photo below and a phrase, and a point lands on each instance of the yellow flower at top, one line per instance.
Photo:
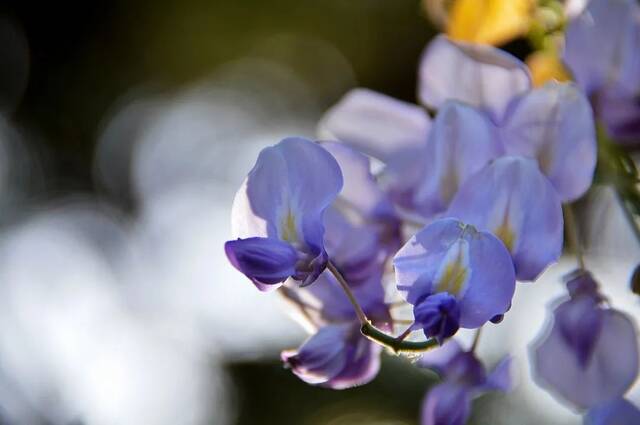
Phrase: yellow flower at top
(490, 21)
(546, 66)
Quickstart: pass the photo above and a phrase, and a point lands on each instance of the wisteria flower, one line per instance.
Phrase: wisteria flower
(464, 378)
(554, 124)
(479, 75)
(589, 356)
(603, 52)
(512, 199)
(277, 214)
(616, 412)
(454, 276)
(461, 142)
(337, 355)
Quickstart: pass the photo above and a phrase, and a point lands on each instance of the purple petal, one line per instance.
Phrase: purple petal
(360, 191)
(500, 377)
(438, 315)
(439, 358)
(446, 404)
(580, 324)
(286, 193)
(376, 124)
(554, 124)
(448, 256)
(603, 46)
(321, 357)
(513, 200)
(616, 412)
(337, 357)
(267, 262)
(479, 75)
(462, 141)
(621, 115)
(611, 370)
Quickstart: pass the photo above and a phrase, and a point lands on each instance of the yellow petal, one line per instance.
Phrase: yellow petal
(546, 66)
(489, 21)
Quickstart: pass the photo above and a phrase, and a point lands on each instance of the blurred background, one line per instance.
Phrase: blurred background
(125, 129)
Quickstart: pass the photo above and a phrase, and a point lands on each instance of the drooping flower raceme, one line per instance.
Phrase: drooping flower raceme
(464, 378)
(454, 276)
(589, 356)
(553, 124)
(360, 232)
(603, 52)
(512, 199)
(277, 214)
(338, 356)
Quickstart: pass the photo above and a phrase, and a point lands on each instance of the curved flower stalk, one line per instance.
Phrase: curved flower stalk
(512, 199)
(589, 356)
(454, 276)
(277, 214)
(464, 378)
(338, 356)
(612, 76)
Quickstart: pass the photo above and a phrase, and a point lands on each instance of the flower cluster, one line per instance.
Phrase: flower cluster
(467, 199)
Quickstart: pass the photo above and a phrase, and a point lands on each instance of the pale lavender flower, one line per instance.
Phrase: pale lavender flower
(512, 199)
(277, 214)
(464, 378)
(589, 355)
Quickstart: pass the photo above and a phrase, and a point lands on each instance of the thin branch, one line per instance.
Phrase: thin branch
(396, 344)
(347, 290)
(572, 234)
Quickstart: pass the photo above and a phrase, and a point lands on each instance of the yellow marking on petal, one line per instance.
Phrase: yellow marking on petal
(490, 21)
(288, 228)
(455, 273)
(505, 233)
(546, 66)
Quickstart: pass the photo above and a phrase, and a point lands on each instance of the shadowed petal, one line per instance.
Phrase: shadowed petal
(446, 404)
(500, 377)
(267, 262)
(513, 200)
(337, 357)
(554, 124)
(462, 141)
(616, 412)
(610, 371)
(360, 191)
(376, 124)
(479, 75)
(439, 358)
(603, 46)
(621, 115)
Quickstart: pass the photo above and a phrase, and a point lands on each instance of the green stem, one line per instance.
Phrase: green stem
(572, 234)
(397, 345)
(393, 343)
